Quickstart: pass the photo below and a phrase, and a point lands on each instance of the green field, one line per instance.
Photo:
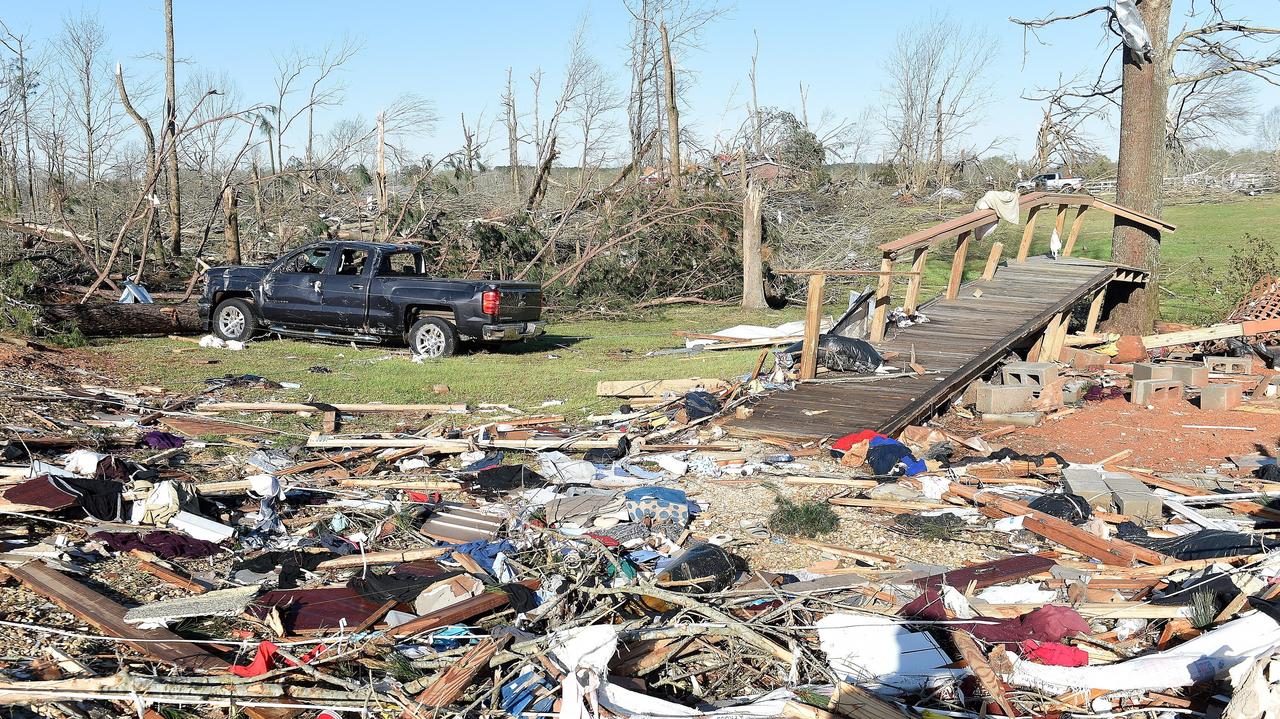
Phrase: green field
(567, 363)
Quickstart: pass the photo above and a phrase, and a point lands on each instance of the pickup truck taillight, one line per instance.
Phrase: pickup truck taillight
(489, 302)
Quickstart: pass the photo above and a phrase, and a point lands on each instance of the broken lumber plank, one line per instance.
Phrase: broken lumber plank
(1215, 332)
(1108, 551)
(449, 686)
(1250, 508)
(439, 445)
(151, 564)
(366, 408)
(107, 617)
(457, 612)
(656, 387)
(839, 551)
(391, 556)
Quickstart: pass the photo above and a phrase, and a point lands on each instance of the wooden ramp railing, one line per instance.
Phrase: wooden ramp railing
(961, 229)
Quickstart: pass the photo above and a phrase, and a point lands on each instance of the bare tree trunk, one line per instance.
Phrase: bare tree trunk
(757, 135)
(673, 111)
(149, 143)
(937, 146)
(752, 267)
(171, 134)
(26, 129)
(1140, 170)
(513, 135)
(381, 178)
(231, 228)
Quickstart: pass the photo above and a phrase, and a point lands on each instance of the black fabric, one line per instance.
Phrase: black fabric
(1268, 472)
(1184, 592)
(1009, 454)
(291, 565)
(101, 499)
(1204, 544)
(166, 545)
(504, 478)
(604, 455)
(883, 458)
(402, 588)
(842, 354)
(1070, 507)
(700, 404)
(522, 598)
(10, 451)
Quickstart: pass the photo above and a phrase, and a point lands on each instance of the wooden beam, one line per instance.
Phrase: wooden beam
(1058, 338)
(884, 290)
(812, 326)
(1027, 233)
(1060, 221)
(1076, 224)
(993, 261)
(913, 285)
(957, 265)
(847, 273)
(1095, 311)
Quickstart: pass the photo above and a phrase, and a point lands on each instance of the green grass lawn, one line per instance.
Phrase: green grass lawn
(567, 363)
(1203, 242)
(524, 375)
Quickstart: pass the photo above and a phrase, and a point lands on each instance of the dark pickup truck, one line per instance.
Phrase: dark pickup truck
(367, 292)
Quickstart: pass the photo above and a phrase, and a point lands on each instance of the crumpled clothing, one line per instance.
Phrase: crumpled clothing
(162, 440)
(891, 457)
(560, 468)
(1058, 655)
(699, 404)
(497, 480)
(845, 443)
(529, 693)
(101, 499)
(404, 588)
(1005, 204)
(486, 553)
(1049, 623)
(291, 565)
(166, 545)
(266, 658)
(82, 462)
(165, 500)
(662, 504)
(521, 598)
(488, 461)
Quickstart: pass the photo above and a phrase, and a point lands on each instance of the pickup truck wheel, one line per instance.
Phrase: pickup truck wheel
(433, 337)
(234, 320)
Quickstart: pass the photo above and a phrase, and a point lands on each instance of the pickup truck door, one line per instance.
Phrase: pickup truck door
(344, 287)
(292, 292)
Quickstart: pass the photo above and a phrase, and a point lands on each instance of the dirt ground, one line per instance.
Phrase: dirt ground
(1160, 437)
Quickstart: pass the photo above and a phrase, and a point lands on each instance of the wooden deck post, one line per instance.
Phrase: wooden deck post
(812, 327)
(1040, 351)
(884, 290)
(993, 260)
(913, 285)
(1058, 339)
(1028, 232)
(1095, 311)
(1076, 224)
(1060, 221)
(957, 264)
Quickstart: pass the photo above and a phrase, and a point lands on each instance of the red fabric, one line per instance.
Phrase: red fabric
(265, 660)
(1058, 655)
(606, 541)
(844, 443)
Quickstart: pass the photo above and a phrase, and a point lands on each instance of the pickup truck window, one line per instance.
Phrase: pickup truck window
(352, 262)
(401, 264)
(310, 262)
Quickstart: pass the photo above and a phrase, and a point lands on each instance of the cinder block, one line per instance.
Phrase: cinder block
(1083, 359)
(1035, 374)
(1073, 392)
(1147, 370)
(1191, 375)
(1155, 391)
(1142, 505)
(1121, 482)
(1094, 492)
(1221, 396)
(1005, 399)
(1229, 365)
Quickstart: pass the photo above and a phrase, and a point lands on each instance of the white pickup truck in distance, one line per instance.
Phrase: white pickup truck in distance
(1052, 182)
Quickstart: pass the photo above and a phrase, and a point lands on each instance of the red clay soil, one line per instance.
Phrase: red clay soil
(1157, 436)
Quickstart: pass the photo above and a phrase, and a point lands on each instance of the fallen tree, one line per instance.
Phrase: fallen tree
(117, 320)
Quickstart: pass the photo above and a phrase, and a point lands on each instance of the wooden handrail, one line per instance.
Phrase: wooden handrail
(844, 273)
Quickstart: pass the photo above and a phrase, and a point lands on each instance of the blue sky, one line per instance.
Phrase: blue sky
(457, 54)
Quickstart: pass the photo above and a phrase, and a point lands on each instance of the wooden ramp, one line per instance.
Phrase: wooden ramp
(964, 338)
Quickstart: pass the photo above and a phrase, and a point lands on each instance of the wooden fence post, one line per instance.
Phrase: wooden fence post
(812, 327)
(913, 285)
(1028, 232)
(957, 264)
(1076, 224)
(993, 260)
(884, 291)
